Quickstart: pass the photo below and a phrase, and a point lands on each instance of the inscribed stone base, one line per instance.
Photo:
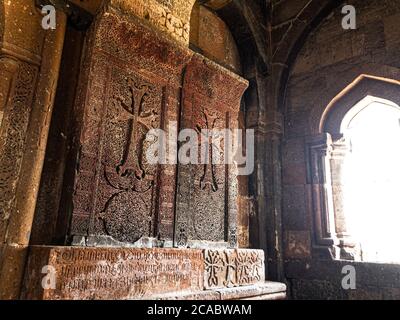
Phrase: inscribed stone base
(135, 273)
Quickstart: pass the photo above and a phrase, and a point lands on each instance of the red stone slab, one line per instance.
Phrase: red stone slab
(113, 273)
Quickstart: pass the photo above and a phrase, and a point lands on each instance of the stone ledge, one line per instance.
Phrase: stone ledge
(266, 291)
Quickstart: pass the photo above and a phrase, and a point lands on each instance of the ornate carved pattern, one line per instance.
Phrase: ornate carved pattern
(249, 267)
(121, 203)
(131, 74)
(169, 16)
(233, 268)
(172, 24)
(213, 265)
(182, 238)
(233, 239)
(134, 42)
(13, 134)
(127, 201)
(207, 193)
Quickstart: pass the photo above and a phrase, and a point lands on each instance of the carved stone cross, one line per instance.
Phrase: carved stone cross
(133, 111)
(208, 179)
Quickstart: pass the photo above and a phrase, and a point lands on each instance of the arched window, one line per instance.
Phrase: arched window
(371, 178)
(354, 173)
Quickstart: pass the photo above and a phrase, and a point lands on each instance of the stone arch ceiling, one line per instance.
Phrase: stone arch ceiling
(291, 23)
(289, 19)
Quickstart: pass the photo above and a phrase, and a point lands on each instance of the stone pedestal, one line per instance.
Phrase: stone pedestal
(58, 273)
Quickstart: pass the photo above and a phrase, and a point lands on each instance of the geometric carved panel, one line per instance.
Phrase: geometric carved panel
(125, 203)
(123, 197)
(131, 84)
(207, 192)
(233, 268)
(19, 81)
(203, 186)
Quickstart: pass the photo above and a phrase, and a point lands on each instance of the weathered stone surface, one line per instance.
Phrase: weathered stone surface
(116, 192)
(127, 273)
(329, 61)
(171, 17)
(233, 268)
(98, 273)
(13, 131)
(210, 36)
(207, 193)
(263, 291)
(298, 244)
(29, 67)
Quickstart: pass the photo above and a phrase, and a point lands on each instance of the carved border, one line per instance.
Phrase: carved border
(18, 106)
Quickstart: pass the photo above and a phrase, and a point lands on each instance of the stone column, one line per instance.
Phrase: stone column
(273, 130)
(348, 247)
(29, 64)
(320, 181)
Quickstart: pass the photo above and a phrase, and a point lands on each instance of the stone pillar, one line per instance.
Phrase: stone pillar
(29, 64)
(349, 250)
(272, 225)
(320, 181)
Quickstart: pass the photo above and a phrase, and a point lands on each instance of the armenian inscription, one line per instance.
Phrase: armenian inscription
(95, 273)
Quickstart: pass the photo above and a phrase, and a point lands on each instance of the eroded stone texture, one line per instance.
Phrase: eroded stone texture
(13, 131)
(210, 36)
(29, 65)
(233, 268)
(171, 17)
(116, 190)
(117, 273)
(95, 273)
(207, 193)
(263, 291)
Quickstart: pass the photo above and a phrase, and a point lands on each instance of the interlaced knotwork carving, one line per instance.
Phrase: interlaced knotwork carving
(207, 192)
(127, 208)
(13, 135)
(209, 181)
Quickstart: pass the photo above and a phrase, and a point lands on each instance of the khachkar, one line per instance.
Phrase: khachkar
(130, 236)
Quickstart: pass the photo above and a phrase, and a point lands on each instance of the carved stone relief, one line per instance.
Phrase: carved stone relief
(169, 16)
(123, 201)
(134, 107)
(132, 87)
(16, 109)
(207, 193)
(233, 268)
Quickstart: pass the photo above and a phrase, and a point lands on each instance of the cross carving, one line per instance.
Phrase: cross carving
(231, 275)
(209, 179)
(133, 111)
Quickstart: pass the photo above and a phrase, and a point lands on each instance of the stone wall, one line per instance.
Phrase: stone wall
(329, 61)
(210, 36)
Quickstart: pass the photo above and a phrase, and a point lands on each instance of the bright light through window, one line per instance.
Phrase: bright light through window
(371, 178)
